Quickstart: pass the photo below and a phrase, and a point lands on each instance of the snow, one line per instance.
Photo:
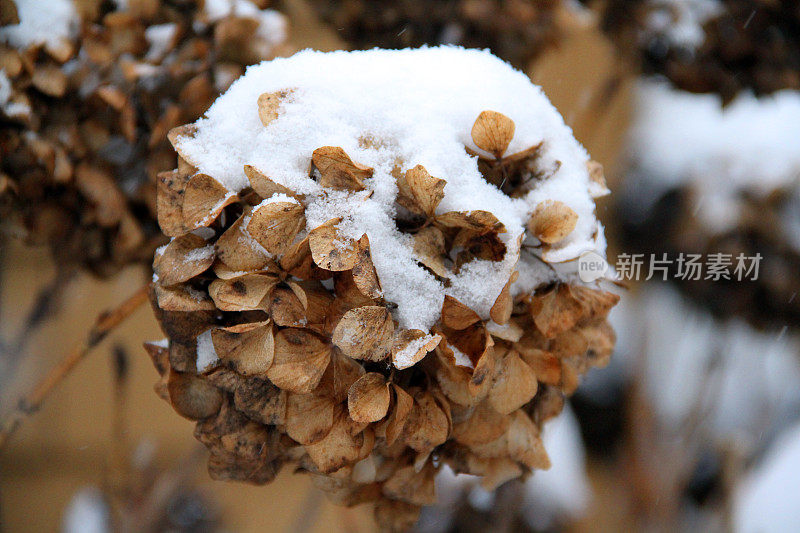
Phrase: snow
(680, 22)
(272, 25)
(159, 37)
(683, 139)
(40, 25)
(199, 254)
(206, 353)
(768, 499)
(414, 107)
(405, 357)
(87, 513)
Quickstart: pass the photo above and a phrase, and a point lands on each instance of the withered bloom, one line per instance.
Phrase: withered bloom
(370, 313)
(86, 100)
(516, 30)
(704, 46)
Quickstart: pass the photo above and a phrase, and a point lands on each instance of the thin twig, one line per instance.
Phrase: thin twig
(104, 324)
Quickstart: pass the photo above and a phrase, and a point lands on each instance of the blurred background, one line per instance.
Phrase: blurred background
(692, 108)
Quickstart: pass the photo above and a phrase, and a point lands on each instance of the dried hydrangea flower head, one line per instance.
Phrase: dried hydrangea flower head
(517, 30)
(86, 100)
(720, 46)
(696, 184)
(352, 286)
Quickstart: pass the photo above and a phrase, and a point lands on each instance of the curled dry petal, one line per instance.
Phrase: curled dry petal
(247, 348)
(276, 224)
(410, 346)
(264, 186)
(419, 192)
(340, 447)
(412, 486)
(368, 398)
(285, 307)
(504, 304)
(552, 221)
(331, 251)
(244, 293)
(234, 248)
(203, 200)
(300, 360)
(338, 171)
(309, 417)
(427, 424)
(492, 132)
(182, 298)
(483, 425)
(365, 333)
(429, 249)
(478, 220)
(403, 402)
(514, 384)
(560, 309)
(192, 397)
(183, 258)
(456, 315)
(364, 274)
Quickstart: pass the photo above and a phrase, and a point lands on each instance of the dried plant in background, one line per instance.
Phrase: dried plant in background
(360, 317)
(719, 46)
(87, 95)
(696, 185)
(517, 30)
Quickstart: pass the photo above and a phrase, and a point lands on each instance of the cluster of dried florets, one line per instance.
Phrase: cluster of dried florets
(517, 30)
(719, 46)
(283, 347)
(85, 114)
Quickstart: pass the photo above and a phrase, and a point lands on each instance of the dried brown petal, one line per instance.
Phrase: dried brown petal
(244, 293)
(552, 221)
(514, 384)
(268, 105)
(477, 220)
(259, 399)
(560, 309)
(203, 200)
(408, 347)
(309, 417)
(182, 298)
(264, 186)
(247, 348)
(403, 402)
(300, 360)
(368, 398)
(395, 516)
(412, 486)
(101, 190)
(481, 426)
(192, 397)
(169, 202)
(183, 258)
(456, 315)
(427, 424)
(239, 250)
(340, 447)
(492, 132)
(285, 308)
(504, 304)
(338, 171)
(339, 376)
(429, 249)
(331, 251)
(365, 333)
(364, 274)
(50, 79)
(298, 261)
(276, 224)
(419, 192)
(545, 365)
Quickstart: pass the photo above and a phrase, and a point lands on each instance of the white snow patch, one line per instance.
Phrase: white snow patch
(683, 139)
(405, 357)
(768, 499)
(40, 24)
(417, 107)
(206, 353)
(87, 513)
(680, 22)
